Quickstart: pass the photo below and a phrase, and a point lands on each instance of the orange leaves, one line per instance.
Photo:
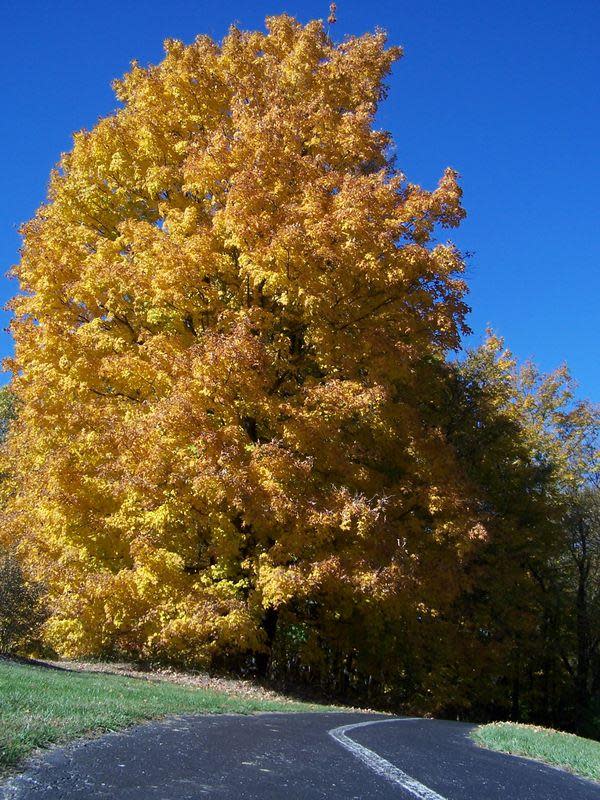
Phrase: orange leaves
(223, 353)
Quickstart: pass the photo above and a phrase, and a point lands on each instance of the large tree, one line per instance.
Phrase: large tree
(232, 323)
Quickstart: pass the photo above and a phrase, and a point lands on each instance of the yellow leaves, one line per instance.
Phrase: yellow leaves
(70, 637)
(158, 178)
(222, 354)
(434, 504)
(277, 585)
(445, 200)
(157, 572)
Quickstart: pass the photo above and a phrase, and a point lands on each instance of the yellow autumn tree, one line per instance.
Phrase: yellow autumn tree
(233, 313)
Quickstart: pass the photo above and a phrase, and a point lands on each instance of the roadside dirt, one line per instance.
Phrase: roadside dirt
(233, 686)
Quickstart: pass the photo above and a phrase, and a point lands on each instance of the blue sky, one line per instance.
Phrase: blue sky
(507, 93)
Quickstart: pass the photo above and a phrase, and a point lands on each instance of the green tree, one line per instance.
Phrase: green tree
(531, 449)
(7, 411)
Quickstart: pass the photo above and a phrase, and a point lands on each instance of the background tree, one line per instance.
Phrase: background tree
(532, 451)
(567, 436)
(21, 600)
(7, 412)
(22, 609)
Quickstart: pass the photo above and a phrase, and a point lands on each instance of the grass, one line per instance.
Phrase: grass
(41, 706)
(574, 753)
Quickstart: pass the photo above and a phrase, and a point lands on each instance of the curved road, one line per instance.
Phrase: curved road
(291, 757)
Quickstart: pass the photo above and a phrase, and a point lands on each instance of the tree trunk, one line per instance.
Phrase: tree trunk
(269, 625)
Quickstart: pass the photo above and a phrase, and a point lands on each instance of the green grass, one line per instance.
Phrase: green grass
(578, 755)
(40, 706)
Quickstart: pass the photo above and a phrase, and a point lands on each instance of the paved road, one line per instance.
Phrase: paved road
(291, 757)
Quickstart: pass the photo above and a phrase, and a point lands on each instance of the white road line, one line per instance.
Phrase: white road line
(379, 764)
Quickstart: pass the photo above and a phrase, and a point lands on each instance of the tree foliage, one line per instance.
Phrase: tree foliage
(533, 450)
(231, 303)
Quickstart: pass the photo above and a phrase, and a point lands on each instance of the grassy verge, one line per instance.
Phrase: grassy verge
(41, 706)
(578, 755)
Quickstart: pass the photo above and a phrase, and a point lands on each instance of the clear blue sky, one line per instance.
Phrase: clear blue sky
(507, 93)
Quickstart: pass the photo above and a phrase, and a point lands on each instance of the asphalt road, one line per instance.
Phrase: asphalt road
(291, 757)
